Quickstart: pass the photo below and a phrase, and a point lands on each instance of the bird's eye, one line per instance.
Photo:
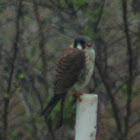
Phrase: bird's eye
(89, 44)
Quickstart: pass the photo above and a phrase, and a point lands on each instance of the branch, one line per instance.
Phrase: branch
(135, 136)
(40, 100)
(53, 6)
(99, 17)
(130, 67)
(135, 123)
(12, 69)
(105, 81)
(42, 41)
(113, 102)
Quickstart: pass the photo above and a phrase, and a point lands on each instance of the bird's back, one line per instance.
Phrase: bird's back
(68, 69)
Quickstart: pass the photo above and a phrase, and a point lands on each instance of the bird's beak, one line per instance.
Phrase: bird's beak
(89, 44)
(72, 45)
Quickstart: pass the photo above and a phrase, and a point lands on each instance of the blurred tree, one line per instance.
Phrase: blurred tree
(33, 34)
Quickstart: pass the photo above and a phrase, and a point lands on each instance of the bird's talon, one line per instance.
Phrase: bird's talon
(78, 96)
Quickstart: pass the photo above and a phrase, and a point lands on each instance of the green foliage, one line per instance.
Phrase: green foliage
(90, 32)
(18, 89)
(6, 95)
(13, 133)
(23, 117)
(39, 118)
(21, 76)
(81, 2)
(135, 90)
(76, 4)
(28, 58)
(124, 87)
(3, 5)
(69, 113)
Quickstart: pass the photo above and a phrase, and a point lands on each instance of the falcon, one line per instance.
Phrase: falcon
(73, 72)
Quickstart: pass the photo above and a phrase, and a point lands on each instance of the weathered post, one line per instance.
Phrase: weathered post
(86, 117)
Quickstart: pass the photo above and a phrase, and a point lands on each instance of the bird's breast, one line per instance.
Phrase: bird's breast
(87, 71)
(90, 58)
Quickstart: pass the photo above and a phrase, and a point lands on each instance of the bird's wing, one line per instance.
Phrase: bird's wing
(68, 69)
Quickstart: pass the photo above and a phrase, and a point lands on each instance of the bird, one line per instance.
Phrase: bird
(73, 72)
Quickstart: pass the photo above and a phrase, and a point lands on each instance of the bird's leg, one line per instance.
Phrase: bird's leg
(78, 96)
(60, 122)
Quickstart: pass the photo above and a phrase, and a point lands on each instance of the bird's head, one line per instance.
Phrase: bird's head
(81, 43)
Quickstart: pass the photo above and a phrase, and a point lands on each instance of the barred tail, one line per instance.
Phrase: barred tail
(48, 109)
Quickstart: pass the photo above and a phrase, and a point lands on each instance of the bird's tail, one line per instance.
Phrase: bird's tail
(48, 109)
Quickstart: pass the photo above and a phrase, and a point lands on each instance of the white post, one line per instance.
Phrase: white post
(86, 117)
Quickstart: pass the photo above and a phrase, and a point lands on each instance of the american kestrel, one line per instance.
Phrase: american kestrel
(73, 71)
